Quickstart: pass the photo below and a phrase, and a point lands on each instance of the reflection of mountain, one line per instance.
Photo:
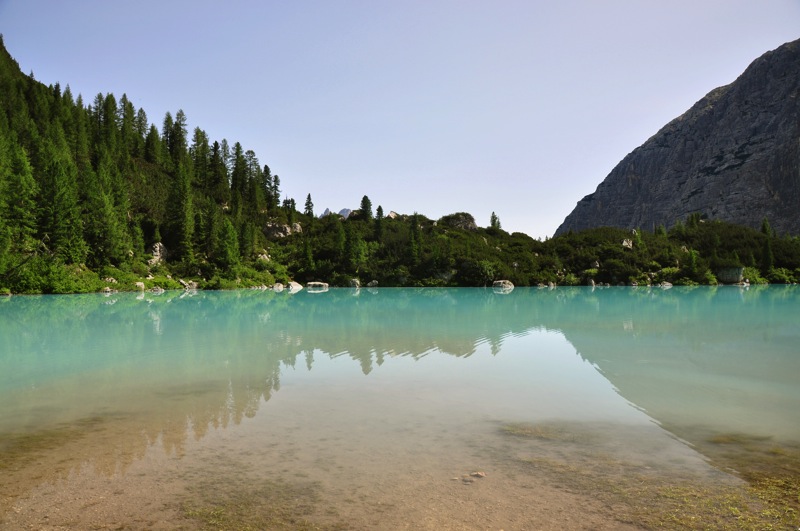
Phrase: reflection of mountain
(703, 358)
(149, 367)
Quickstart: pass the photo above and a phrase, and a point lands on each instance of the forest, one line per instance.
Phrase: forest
(93, 196)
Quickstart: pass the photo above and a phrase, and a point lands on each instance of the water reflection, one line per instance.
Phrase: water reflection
(724, 358)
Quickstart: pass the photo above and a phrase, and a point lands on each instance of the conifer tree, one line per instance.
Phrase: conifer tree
(178, 144)
(379, 224)
(227, 256)
(141, 126)
(494, 221)
(366, 208)
(339, 240)
(182, 218)
(19, 198)
(152, 146)
(309, 207)
(127, 129)
(254, 195)
(199, 152)
(218, 187)
(59, 213)
(308, 255)
(238, 173)
(414, 241)
(104, 229)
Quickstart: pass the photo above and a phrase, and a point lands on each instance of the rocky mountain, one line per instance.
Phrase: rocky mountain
(734, 156)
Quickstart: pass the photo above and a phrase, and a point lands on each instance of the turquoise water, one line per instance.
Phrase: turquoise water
(386, 383)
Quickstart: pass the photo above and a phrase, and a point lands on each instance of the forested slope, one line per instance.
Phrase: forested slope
(88, 192)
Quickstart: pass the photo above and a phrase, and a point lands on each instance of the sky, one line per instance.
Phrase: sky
(517, 107)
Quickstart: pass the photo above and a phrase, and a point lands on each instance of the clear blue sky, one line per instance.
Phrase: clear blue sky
(434, 106)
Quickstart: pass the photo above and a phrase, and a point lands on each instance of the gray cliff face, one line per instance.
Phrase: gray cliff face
(734, 156)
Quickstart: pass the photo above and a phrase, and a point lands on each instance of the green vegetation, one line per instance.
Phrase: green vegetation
(87, 191)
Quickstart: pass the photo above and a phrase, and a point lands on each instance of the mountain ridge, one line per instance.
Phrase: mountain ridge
(733, 156)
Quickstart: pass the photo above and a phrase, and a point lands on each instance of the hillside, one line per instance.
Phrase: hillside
(98, 198)
(734, 156)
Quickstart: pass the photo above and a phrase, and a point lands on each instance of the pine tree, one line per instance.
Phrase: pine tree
(227, 256)
(201, 162)
(766, 229)
(414, 241)
(178, 145)
(254, 196)
(238, 173)
(59, 213)
(141, 126)
(309, 208)
(104, 229)
(308, 256)
(494, 221)
(366, 208)
(129, 138)
(20, 194)
(218, 187)
(153, 146)
(182, 219)
(379, 223)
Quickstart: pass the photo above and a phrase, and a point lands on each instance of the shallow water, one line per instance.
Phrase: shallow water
(380, 403)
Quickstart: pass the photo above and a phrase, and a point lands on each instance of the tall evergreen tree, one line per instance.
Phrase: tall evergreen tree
(218, 187)
(366, 208)
(494, 221)
(18, 200)
(227, 256)
(201, 160)
(414, 241)
(141, 125)
(309, 207)
(153, 146)
(379, 224)
(104, 228)
(178, 144)
(182, 215)
(238, 171)
(129, 137)
(59, 213)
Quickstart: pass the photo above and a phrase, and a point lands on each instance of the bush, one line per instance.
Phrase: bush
(781, 275)
(248, 277)
(710, 279)
(218, 283)
(753, 275)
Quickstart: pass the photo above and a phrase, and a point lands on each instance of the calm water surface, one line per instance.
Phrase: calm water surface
(383, 400)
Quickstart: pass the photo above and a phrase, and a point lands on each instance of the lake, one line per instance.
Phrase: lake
(391, 408)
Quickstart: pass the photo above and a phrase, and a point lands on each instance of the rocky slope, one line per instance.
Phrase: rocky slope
(734, 156)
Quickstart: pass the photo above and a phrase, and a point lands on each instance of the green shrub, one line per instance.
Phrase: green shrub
(667, 274)
(753, 275)
(781, 275)
(218, 283)
(709, 278)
